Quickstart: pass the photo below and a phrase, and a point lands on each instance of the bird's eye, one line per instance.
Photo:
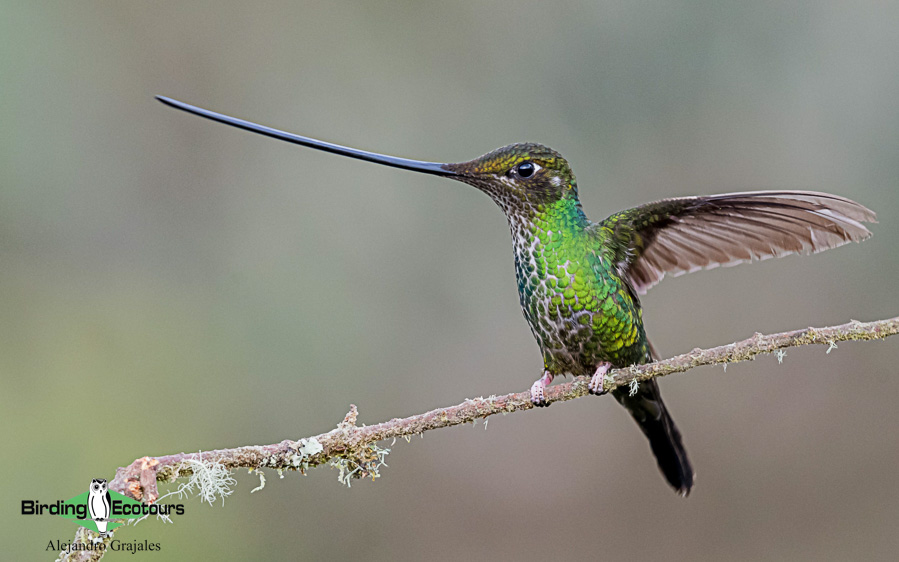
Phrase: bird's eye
(526, 169)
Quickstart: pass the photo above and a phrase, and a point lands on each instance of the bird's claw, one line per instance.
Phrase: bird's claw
(596, 385)
(538, 396)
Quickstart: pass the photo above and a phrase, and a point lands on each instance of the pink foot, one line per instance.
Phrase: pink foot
(596, 382)
(537, 395)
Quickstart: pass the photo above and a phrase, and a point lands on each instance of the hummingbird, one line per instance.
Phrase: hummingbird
(579, 281)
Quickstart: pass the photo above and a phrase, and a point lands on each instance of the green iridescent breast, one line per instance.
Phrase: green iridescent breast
(578, 308)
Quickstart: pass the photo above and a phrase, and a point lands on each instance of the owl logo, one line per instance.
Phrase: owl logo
(98, 503)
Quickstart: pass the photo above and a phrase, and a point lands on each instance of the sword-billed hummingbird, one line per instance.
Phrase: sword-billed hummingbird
(579, 281)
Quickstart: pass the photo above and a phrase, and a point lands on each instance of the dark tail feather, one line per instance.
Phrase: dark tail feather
(651, 415)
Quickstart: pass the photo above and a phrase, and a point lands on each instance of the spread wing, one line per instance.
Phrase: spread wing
(677, 236)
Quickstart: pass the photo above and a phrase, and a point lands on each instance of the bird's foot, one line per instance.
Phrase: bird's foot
(597, 381)
(537, 395)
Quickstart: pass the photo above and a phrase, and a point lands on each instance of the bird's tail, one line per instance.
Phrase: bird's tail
(649, 411)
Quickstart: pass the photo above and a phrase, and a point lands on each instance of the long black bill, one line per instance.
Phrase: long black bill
(414, 165)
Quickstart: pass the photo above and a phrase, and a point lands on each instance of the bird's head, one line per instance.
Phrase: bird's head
(519, 175)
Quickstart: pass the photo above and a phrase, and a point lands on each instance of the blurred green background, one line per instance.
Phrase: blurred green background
(169, 284)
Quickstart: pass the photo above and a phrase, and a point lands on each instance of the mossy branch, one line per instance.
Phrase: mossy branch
(354, 449)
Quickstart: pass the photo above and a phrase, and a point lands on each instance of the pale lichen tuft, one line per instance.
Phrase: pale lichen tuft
(261, 482)
(780, 354)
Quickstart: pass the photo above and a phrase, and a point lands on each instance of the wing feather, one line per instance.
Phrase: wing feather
(677, 236)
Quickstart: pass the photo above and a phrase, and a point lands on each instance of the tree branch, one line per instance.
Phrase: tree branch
(354, 449)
